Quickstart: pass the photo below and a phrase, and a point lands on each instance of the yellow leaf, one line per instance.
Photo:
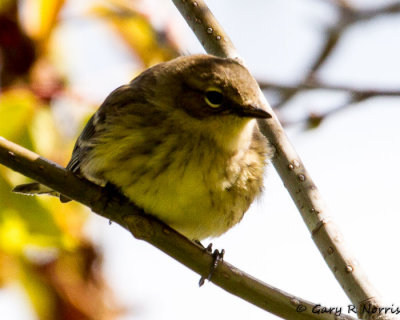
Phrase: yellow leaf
(45, 136)
(138, 33)
(40, 17)
(16, 111)
(13, 233)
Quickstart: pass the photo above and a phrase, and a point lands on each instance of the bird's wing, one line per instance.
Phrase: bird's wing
(82, 146)
(87, 139)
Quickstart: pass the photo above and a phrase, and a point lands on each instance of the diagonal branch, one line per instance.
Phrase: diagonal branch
(347, 16)
(333, 34)
(142, 226)
(294, 176)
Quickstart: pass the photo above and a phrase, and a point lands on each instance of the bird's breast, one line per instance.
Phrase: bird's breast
(188, 182)
(198, 190)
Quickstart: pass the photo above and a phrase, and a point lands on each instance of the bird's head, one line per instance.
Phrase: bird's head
(215, 96)
(206, 86)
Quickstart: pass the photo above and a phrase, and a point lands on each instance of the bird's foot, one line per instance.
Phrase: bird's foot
(217, 257)
(109, 196)
(113, 193)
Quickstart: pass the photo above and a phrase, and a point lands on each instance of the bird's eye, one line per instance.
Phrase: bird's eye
(214, 97)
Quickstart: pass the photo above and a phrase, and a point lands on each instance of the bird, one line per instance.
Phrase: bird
(181, 141)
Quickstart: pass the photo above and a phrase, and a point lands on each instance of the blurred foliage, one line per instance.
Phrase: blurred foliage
(42, 245)
(42, 18)
(137, 31)
(17, 52)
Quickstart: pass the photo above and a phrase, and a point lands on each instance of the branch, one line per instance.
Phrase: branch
(347, 16)
(364, 93)
(294, 176)
(366, 14)
(314, 119)
(143, 226)
(332, 37)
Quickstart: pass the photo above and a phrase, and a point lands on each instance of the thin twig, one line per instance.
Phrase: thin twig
(332, 37)
(348, 16)
(367, 14)
(298, 182)
(356, 96)
(117, 208)
(314, 119)
(265, 85)
(333, 34)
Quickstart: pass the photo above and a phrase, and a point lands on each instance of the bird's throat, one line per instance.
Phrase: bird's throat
(236, 139)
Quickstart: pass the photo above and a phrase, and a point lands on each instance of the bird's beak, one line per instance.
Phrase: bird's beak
(252, 111)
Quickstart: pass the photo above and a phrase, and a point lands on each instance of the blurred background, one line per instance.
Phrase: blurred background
(331, 70)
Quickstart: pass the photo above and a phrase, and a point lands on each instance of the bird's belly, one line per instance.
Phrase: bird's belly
(197, 190)
(192, 201)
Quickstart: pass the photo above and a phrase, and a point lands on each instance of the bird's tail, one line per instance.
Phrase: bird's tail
(34, 188)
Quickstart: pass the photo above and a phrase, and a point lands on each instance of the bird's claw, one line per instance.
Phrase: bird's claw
(217, 257)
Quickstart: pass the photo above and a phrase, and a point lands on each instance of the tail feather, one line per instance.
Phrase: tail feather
(34, 188)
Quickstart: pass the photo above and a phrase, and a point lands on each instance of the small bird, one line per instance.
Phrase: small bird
(181, 142)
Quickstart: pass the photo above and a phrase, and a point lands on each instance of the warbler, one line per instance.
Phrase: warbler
(181, 142)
